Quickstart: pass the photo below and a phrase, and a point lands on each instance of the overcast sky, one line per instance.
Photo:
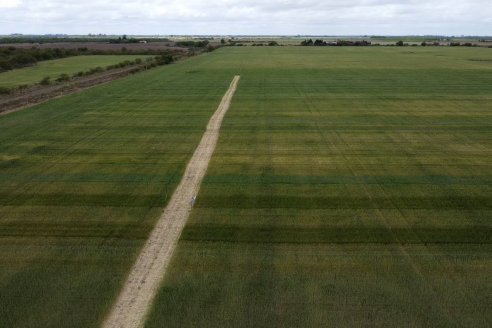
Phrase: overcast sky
(315, 17)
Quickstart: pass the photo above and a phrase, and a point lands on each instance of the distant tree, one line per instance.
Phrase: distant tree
(25, 59)
(273, 43)
(319, 43)
(400, 43)
(307, 42)
(222, 41)
(423, 44)
(164, 59)
(190, 44)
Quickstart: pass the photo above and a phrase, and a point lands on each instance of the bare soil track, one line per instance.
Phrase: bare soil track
(146, 274)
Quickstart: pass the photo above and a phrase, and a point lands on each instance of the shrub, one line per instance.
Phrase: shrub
(307, 42)
(5, 91)
(45, 81)
(164, 59)
(95, 70)
(63, 77)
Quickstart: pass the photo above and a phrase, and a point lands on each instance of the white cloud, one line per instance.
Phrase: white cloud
(247, 16)
(9, 3)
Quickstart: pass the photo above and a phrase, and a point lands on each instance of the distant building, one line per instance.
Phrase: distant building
(142, 41)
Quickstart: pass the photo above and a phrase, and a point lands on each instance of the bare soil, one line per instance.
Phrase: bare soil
(148, 271)
(102, 46)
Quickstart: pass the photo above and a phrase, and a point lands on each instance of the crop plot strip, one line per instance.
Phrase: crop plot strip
(147, 272)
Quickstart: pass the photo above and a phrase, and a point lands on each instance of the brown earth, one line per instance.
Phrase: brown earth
(147, 273)
(102, 46)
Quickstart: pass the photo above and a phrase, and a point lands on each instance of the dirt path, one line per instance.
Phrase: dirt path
(146, 274)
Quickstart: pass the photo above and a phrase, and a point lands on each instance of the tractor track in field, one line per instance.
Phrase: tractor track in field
(142, 284)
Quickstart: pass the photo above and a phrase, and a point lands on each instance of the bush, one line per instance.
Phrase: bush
(307, 42)
(5, 91)
(25, 59)
(95, 70)
(164, 59)
(45, 81)
(63, 77)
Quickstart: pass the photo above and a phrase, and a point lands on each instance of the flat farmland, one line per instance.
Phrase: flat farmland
(83, 179)
(350, 187)
(53, 68)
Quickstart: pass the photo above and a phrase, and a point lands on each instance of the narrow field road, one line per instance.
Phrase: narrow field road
(146, 274)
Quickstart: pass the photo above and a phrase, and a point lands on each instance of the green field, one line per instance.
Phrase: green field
(83, 179)
(53, 68)
(350, 187)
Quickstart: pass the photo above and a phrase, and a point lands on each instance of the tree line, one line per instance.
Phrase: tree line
(12, 58)
(400, 43)
(339, 43)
